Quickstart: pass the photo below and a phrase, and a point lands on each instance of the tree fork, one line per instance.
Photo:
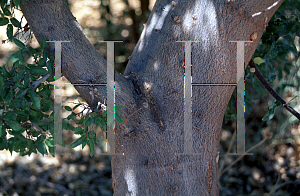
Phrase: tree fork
(151, 164)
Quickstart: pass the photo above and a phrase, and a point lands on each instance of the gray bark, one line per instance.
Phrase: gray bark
(151, 164)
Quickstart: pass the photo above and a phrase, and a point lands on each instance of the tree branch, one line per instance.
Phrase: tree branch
(36, 83)
(80, 61)
(271, 90)
(267, 136)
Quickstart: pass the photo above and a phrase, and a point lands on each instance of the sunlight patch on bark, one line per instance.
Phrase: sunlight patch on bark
(270, 7)
(156, 23)
(131, 182)
(208, 21)
(155, 66)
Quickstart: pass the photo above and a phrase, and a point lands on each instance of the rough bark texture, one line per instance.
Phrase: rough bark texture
(153, 136)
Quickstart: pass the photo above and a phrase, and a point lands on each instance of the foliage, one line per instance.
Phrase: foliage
(26, 108)
(275, 56)
(86, 125)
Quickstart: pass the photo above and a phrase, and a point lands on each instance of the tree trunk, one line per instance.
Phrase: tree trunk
(152, 88)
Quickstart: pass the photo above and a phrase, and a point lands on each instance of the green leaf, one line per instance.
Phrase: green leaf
(118, 107)
(14, 125)
(31, 146)
(78, 130)
(38, 121)
(40, 139)
(68, 108)
(9, 31)
(41, 62)
(30, 66)
(104, 113)
(67, 126)
(3, 3)
(32, 51)
(3, 143)
(13, 70)
(18, 43)
(5, 72)
(59, 141)
(9, 115)
(295, 28)
(286, 69)
(37, 54)
(18, 76)
(21, 113)
(21, 140)
(24, 105)
(4, 21)
(72, 116)
(15, 103)
(32, 77)
(47, 105)
(91, 145)
(258, 60)
(101, 121)
(2, 131)
(1, 81)
(50, 67)
(26, 80)
(43, 92)
(283, 29)
(285, 47)
(43, 43)
(50, 142)
(83, 144)
(4, 91)
(34, 98)
(21, 91)
(271, 111)
(45, 55)
(89, 121)
(298, 32)
(110, 118)
(81, 121)
(18, 63)
(19, 84)
(37, 71)
(6, 11)
(15, 22)
(17, 3)
(78, 141)
(42, 148)
(9, 96)
(77, 106)
(52, 151)
(119, 118)
(11, 144)
(272, 52)
(271, 77)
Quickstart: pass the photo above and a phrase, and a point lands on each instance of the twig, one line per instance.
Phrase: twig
(228, 150)
(133, 113)
(292, 99)
(240, 157)
(274, 187)
(36, 83)
(282, 185)
(271, 90)
(39, 81)
(35, 127)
